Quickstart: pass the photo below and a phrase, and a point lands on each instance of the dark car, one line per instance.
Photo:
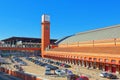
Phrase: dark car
(44, 64)
(51, 62)
(48, 71)
(72, 77)
(67, 66)
(16, 66)
(58, 63)
(51, 67)
(36, 61)
(111, 76)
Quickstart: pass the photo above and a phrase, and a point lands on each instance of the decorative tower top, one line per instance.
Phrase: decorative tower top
(45, 18)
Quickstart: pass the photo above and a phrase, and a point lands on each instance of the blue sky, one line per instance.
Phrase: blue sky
(22, 18)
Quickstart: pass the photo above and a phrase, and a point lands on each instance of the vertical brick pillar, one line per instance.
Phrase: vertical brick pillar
(117, 69)
(97, 65)
(103, 67)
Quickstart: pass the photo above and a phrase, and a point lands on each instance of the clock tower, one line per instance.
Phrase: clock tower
(45, 41)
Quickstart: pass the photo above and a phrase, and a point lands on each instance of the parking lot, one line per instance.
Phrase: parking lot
(39, 71)
(91, 73)
(37, 66)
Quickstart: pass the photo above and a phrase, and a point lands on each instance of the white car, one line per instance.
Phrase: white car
(59, 72)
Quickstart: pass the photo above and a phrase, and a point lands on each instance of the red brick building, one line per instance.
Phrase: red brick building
(97, 49)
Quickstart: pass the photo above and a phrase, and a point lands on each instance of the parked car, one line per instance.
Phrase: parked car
(44, 64)
(48, 71)
(82, 78)
(72, 77)
(64, 70)
(108, 75)
(58, 63)
(69, 72)
(51, 67)
(103, 74)
(67, 66)
(51, 62)
(60, 72)
(22, 63)
(36, 62)
(111, 76)
(16, 66)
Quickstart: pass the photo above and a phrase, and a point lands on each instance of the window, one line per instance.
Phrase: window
(106, 60)
(113, 61)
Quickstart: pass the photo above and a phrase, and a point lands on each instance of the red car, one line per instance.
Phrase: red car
(82, 78)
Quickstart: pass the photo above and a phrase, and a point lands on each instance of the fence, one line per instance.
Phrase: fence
(21, 75)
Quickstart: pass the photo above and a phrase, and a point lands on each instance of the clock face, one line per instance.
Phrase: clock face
(46, 28)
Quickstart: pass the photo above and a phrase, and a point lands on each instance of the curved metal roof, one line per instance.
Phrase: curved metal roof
(98, 34)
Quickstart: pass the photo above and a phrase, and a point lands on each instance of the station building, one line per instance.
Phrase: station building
(24, 42)
(16, 46)
(96, 49)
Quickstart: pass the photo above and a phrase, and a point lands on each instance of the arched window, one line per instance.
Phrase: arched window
(106, 60)
(100, 60)
(94, 59)
(90, 59)
(113, 61)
